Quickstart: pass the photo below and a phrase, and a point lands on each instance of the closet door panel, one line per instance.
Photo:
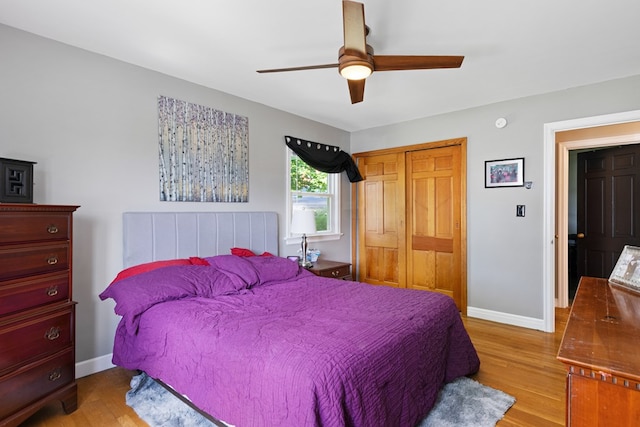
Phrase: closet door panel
(433, 177)
(381, 220)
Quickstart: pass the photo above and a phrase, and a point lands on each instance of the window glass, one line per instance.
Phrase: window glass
(314, 190)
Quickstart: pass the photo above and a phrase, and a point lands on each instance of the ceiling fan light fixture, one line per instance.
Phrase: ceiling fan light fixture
(357, 71)
(356, 60)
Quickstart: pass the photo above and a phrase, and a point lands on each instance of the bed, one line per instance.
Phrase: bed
(259, 341)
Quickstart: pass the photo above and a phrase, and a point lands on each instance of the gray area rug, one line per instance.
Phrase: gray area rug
(467, 403)
(461, 403)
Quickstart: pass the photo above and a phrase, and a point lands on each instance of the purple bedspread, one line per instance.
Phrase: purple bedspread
(259, 342)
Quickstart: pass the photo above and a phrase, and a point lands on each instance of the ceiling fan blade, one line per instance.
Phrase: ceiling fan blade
(308, 67)
(355, 31)
(413, 62)
(356, 90)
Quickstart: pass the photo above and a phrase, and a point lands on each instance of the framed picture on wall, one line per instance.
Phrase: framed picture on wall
(504, 173)
(627, 269)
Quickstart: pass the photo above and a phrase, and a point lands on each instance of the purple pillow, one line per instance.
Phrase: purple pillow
(257, 270)
(136, 294)
(275, 269)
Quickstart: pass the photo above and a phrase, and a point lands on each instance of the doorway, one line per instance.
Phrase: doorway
(560, 139)
(604, 200)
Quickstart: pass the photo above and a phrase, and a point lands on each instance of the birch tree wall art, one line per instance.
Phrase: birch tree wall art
(204, 153)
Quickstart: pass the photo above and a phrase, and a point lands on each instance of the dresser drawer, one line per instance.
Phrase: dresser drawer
(16, 295)
(333, 269)
(337, 273)
(28, 385)
(34, 226)
(28, 339)
(23, 260)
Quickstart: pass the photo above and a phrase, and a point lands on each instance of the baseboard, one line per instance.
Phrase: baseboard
(91, 366)
(509, 319)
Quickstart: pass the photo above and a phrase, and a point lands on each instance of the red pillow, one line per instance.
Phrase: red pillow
(143, 268)
(246, 252)
(198, 261)
(242, 252)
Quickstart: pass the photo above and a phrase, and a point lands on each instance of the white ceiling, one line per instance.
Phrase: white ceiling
(512, 48)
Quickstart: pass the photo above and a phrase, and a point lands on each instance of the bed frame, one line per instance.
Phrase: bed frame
(152, 236)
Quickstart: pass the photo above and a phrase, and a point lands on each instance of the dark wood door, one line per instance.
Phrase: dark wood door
(608, 207)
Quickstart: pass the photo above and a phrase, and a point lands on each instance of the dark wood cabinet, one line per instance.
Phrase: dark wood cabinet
(600, 350)
(334, 269)
(37, 312)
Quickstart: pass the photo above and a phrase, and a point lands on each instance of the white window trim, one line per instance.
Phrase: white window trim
(335, 234)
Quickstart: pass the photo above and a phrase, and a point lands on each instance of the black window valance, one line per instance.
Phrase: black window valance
(325, 158)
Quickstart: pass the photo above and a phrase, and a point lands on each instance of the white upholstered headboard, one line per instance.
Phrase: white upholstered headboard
(152, 236)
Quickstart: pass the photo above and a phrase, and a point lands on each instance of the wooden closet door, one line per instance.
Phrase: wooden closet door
(411, 218)
(434, 221)
(381, 220)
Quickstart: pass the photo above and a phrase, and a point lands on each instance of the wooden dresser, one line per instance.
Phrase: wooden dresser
(37, 314)
(601, 350)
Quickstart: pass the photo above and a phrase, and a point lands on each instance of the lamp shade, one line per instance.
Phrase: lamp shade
(303, 222)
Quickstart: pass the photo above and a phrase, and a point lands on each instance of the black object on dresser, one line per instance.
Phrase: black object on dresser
(16, 181)
(37, 313)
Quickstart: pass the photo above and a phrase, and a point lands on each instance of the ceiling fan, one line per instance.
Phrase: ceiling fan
(356, 60)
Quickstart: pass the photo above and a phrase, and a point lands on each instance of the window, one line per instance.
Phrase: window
(317, 191)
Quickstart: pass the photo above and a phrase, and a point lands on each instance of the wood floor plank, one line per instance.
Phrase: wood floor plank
(518, 361)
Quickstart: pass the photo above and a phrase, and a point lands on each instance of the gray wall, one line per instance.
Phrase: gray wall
(90, 123)
(505, 253)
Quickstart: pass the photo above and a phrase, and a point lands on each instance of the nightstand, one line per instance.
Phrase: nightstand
(333, 269)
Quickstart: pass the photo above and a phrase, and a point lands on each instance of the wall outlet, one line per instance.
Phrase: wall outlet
(519, 210)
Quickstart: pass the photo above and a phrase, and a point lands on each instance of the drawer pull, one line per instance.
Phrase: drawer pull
(52, 260)
(335, 273)
(52, 291)
(52, 229)
(55, 374)
(53, 333)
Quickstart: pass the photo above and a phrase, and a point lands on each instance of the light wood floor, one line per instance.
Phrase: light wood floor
(518, 361)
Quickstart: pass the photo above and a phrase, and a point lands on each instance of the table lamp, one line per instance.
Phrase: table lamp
(303, 222)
